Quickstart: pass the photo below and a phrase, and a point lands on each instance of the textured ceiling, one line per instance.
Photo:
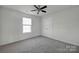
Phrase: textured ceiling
(50, 8)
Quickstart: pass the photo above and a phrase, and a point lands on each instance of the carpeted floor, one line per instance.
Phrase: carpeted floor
(38, 44)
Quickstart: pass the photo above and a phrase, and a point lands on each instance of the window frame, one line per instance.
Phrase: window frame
(29, 24)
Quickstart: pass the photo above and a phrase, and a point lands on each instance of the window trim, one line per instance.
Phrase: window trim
(27, 25)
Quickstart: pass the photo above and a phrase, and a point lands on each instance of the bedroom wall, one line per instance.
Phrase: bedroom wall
(0, 25)
(11, 26)
(62, 26)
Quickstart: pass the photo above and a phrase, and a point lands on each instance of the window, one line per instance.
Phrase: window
(27, 24)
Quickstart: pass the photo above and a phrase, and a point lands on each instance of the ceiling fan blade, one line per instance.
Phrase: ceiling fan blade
(43, 11)
(34, 10)
(35, 6)
(43, 7)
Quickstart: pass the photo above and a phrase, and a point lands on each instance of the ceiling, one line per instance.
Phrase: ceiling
(50, 8)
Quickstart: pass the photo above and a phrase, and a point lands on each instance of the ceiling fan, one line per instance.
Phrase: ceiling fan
(39, 8)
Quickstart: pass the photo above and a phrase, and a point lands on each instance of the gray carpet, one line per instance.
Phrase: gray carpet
(38, 45)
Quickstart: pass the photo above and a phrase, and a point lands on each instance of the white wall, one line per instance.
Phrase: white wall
(63, 26)
(12, 26)
(0, 25)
